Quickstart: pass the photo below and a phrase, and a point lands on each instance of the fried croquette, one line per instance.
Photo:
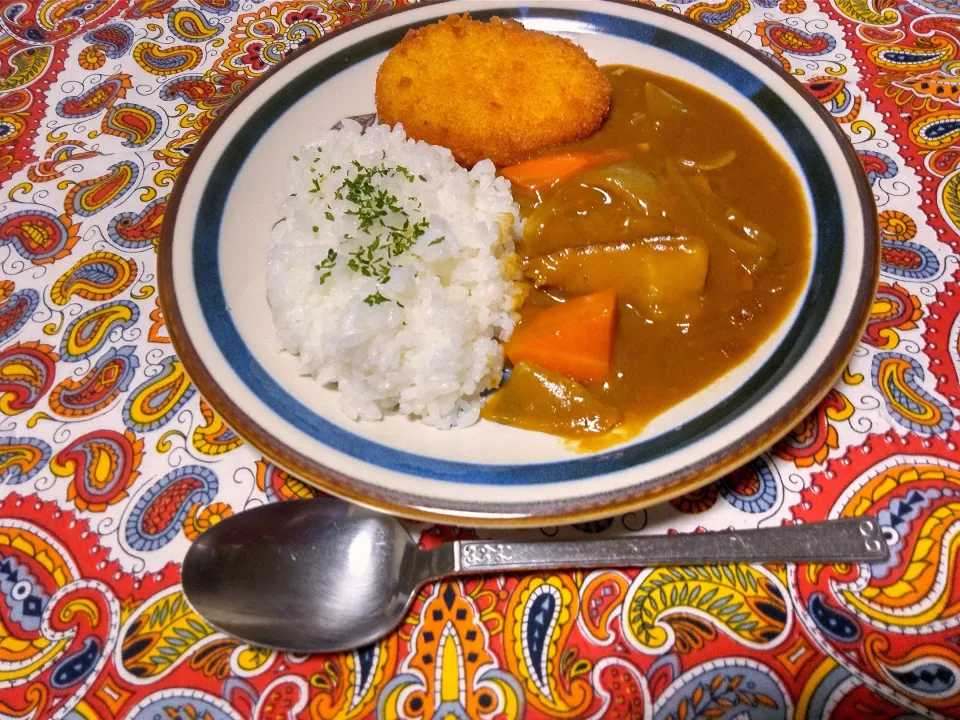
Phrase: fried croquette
(491, 90)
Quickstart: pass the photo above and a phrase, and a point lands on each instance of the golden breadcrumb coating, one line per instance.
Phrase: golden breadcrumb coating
(491, 90)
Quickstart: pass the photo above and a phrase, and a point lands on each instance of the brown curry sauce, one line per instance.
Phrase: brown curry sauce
(666, 350)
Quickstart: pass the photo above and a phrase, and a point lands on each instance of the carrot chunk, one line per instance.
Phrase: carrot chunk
(575, 338)
(542, 173)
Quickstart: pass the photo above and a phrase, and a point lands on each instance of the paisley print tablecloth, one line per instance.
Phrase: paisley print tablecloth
(110, 463)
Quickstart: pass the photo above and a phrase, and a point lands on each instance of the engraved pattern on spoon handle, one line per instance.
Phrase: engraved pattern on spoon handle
(846, 540)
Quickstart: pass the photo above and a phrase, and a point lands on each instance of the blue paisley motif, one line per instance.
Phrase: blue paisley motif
(721, 18)
(138, 230)
(757, 496)
(898, 377)
(877, 165)
(21, 458)
(726, 689)
(543, 610)
(897, 57)
(174, 89)
(87, 333)
(115, 39)
(939, 129)
(817, 709)
(896, 521)
(73, 668)
(158, 398)
(927, 678)
(908, 260)
(183, 703)
(15, 312)
(831, 620)
(159, 514)
(23, 596)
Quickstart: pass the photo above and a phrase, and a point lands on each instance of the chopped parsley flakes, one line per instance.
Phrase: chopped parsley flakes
(386, 227)
(330, 260)
(376, 299)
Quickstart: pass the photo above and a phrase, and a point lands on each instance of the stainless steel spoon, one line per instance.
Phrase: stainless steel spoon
(324, 575)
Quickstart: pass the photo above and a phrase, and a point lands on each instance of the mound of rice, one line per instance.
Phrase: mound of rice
(392, 274)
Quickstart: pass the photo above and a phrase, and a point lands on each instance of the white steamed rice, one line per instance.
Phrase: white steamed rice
(424, 343)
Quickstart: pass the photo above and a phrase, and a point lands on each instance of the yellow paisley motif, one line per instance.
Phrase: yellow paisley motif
(158, 636)
(191, 25)
(863, 11)
(346, 694)
(248, 661)
(922, 593)
(199, 519)
(213, 438)
(27, 65)
(950, 199)
(601, 584)
(151, 404)
(90, 332)
(712, 11)
(743, 601)
(85, 278)
(289, 489)
(903, 396)
(910, 58)
(164, 61)
(936, 130)
(54, 15)
(554, 685)
(894, 667)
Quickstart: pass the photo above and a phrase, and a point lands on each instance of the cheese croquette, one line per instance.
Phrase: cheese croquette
(491, 90)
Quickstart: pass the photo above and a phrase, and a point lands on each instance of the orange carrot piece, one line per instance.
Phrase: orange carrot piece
(575, 338)
(542, 173)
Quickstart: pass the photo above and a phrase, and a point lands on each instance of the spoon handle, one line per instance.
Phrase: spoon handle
(833, 541)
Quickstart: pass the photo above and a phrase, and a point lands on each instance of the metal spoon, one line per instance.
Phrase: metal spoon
(324, 575)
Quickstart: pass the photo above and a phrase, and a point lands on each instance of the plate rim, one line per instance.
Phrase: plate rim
(588, 507)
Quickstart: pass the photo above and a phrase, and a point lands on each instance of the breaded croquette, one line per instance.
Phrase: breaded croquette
(491, 90)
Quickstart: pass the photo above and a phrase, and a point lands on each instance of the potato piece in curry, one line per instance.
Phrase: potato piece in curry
(679, 213)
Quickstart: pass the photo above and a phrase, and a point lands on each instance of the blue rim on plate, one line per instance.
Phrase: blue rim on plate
(827, 261)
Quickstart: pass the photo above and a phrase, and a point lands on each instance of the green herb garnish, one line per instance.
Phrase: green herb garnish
(386, 229)
(376, 299)
(329, 261)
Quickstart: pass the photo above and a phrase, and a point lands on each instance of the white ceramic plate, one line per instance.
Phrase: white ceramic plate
(212, 262)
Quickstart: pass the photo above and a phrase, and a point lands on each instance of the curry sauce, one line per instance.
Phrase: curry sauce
(699, 224)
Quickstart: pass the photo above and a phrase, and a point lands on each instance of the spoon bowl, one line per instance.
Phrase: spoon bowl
(305, 575)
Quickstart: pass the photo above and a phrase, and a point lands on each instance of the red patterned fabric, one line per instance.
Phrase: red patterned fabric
(111, 464)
